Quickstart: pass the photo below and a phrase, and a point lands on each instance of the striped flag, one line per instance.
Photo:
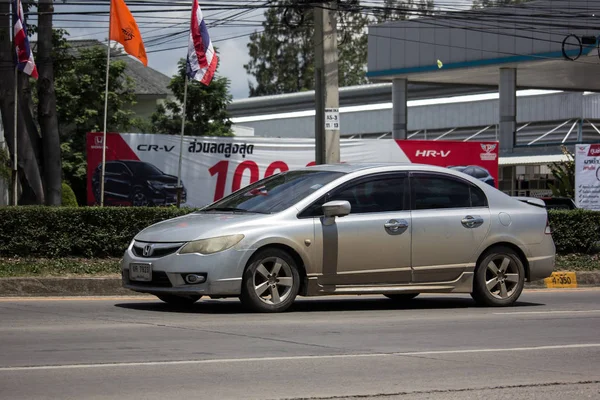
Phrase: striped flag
(24, 58)
(202, 59)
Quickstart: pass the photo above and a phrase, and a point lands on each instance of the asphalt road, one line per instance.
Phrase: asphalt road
(434, 347)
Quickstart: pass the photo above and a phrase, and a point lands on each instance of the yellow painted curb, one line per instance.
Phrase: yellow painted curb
(561, 280)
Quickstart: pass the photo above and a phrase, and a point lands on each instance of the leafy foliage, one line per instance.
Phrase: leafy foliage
(575, 231)
(80, 84)
(394, 10)
(496, 3)
(564, 174)
(5, 168)
(105, 232)
(75, 232)
(68, 197)
(282, 55)
(206, 108)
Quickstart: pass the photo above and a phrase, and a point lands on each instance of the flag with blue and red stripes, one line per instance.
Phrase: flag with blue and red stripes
(24, 57)
(202, 59)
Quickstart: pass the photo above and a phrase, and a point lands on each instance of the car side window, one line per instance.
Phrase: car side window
(438, 192)
(366, 196)
(112, 168)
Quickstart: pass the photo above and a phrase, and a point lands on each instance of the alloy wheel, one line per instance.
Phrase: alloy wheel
(502, 277)
(273, 280)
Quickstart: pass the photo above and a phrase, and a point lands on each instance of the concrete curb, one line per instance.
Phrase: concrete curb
(111, 285)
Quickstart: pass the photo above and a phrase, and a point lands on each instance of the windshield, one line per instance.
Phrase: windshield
(145, 169)
(276, 193)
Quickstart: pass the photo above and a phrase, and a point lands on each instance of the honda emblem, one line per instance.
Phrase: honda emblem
(148, 250)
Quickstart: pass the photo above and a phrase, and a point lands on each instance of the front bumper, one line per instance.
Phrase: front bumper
(223, 273)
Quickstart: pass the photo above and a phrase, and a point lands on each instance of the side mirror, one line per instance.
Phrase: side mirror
(338, 208)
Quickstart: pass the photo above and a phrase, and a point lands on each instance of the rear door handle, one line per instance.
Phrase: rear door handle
(395, 227)
(472, 221)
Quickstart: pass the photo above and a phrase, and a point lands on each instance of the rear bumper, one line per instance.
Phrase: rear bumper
(542, 259)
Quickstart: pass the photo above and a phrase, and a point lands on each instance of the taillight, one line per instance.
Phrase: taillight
(548, 230)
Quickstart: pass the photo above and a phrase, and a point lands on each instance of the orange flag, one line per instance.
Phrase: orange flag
(124, 30)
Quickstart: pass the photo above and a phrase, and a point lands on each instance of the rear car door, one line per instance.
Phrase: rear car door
(371, 245)
(450, 221)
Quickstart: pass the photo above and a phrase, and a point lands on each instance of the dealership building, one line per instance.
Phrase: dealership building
(524, 76)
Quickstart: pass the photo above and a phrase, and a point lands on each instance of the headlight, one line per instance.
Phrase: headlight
(212, 245)
(156, 185)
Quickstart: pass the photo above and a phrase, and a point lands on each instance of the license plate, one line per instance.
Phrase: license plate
(140, 272)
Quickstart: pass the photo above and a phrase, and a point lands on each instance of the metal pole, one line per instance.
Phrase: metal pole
(15, 174)
(105, 109)
(179, 188)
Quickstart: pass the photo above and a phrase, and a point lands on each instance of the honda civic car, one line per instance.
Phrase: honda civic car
(476, 171)
(136, 183)
(392, 229)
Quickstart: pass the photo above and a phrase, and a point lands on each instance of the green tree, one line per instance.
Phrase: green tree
(206, 109)
(80, 85)
(394, 10)
(564, 176)
(496, 3)
(282, 55)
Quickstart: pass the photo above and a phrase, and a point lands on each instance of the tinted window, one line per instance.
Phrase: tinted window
(374, 196)
(276, 193)
(366, 196)
(434, 192)
(115, 168)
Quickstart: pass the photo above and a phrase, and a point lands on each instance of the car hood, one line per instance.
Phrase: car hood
(162, 178)
(196, 226)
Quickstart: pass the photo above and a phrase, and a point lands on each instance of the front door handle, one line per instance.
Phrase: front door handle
(395, 227)
(472, 221)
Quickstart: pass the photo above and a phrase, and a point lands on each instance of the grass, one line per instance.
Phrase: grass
(72, 267)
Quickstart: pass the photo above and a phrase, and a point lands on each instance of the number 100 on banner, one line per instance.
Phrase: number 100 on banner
(244, 173)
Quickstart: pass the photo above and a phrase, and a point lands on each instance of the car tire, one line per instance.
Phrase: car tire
(139, 198)
(178, 301)
(401, 297)
(499, 278)
(270, 282)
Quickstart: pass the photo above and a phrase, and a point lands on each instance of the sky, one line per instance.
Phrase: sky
(164, 31)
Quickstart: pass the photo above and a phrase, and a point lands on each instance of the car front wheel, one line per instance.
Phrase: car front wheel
(499, 278)
(271, 282)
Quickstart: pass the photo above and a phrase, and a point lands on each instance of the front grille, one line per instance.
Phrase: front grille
(138, 250)
(159, 279)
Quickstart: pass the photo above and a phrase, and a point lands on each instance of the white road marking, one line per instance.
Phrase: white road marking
(294, 358)
(547, 312)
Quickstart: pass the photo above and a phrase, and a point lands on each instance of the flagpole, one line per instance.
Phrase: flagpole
(179, 188)
(15, 176)
(105, 109)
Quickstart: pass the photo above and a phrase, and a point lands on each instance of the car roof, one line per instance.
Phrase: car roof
(356, 167)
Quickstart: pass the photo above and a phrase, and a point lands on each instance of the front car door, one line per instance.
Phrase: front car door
(450, 220)
(372, 244)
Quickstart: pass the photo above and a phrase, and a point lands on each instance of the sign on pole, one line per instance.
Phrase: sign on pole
(332, 119)
(587, 176)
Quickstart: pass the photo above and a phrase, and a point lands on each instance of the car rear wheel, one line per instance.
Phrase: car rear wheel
(271, 282)
(499, 278)
(139, 198)
(178, 301)
(401, 296)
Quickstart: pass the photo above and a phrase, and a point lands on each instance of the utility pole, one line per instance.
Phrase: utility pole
(327, 117)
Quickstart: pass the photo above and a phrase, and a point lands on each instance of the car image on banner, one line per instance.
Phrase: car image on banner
(213, 167)
(136, 183)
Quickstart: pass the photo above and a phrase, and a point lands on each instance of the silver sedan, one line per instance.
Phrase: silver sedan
(391, 229)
